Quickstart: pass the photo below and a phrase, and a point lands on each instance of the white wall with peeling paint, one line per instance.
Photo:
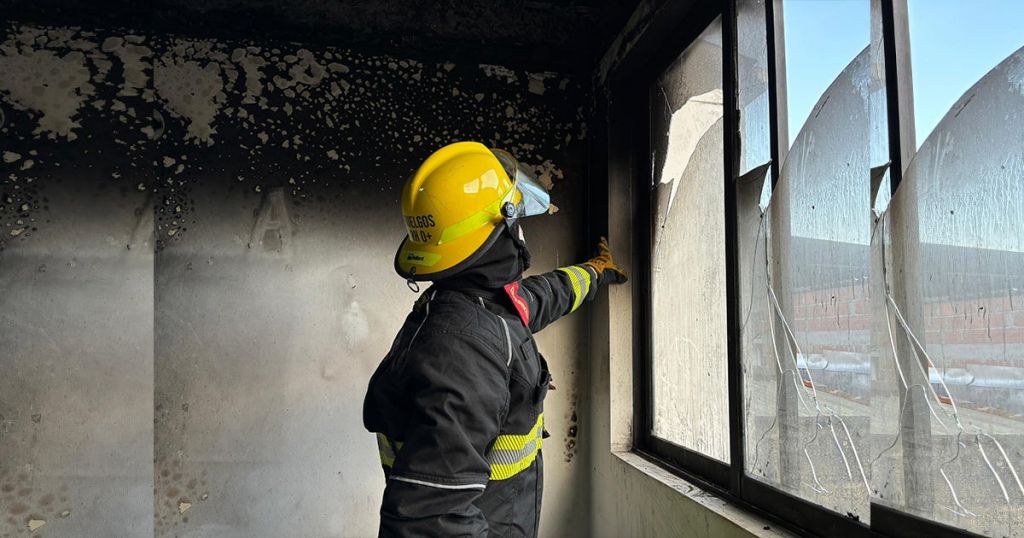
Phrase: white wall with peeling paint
(265, 176)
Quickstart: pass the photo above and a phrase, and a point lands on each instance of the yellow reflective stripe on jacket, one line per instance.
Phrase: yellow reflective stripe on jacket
(580, 280)
(513, 454)
(387, 449)
(509, 456)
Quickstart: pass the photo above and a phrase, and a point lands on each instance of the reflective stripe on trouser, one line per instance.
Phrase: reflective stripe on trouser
(510, 455)
(579, 277)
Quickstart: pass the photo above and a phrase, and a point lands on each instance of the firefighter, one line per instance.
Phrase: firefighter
(458, 402)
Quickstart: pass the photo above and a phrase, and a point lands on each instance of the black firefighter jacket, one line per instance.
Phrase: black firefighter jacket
(458, 408)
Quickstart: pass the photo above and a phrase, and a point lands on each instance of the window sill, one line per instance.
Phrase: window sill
(744, 521)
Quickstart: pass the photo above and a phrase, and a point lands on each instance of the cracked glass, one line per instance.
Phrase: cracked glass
(688, 253)
(806, 317)
(948, 388)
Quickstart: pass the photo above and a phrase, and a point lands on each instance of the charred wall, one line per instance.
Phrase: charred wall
(196, 244)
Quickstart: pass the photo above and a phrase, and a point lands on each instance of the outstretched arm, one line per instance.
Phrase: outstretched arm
(562, 291)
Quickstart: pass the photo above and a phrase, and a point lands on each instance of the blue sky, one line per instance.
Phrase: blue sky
(822, 37)
(953, 44)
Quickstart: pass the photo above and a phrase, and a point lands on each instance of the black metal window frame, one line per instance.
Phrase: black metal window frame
(671, 29)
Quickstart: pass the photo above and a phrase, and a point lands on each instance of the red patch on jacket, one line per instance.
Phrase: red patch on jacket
(512, 289)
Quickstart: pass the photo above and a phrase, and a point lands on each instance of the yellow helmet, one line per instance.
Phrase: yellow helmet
(457, 203)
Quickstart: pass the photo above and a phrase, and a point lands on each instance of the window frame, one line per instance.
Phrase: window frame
(711, 470)
(672, 28)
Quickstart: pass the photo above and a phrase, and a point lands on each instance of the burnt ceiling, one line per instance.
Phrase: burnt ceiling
(559, 35)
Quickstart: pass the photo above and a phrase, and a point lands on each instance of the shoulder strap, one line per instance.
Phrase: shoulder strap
(424, 303)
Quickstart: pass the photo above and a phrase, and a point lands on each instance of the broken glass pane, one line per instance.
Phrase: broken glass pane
(688, 257)
(806, 318)
(950, 374)
(752, 72)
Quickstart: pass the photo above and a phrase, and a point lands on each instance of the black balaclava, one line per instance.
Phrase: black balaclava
(504, 262)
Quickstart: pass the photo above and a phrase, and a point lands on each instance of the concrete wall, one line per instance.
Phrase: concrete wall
(196, 239)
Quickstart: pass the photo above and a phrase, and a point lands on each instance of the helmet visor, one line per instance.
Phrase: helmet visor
(535, 198)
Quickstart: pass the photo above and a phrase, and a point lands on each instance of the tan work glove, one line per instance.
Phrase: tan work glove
(604, 265)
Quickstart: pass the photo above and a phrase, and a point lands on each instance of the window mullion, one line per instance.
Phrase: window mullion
(731, 170)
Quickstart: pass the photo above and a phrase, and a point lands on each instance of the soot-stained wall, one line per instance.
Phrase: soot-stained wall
(196, 244)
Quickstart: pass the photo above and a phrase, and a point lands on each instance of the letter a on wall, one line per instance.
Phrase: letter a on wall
(272, 232)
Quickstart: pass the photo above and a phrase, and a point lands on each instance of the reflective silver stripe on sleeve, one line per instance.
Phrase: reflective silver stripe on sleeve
(580, 280)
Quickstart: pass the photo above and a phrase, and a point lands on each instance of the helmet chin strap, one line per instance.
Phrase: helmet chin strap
(517, 238)
(512, 227)
(411, 282)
